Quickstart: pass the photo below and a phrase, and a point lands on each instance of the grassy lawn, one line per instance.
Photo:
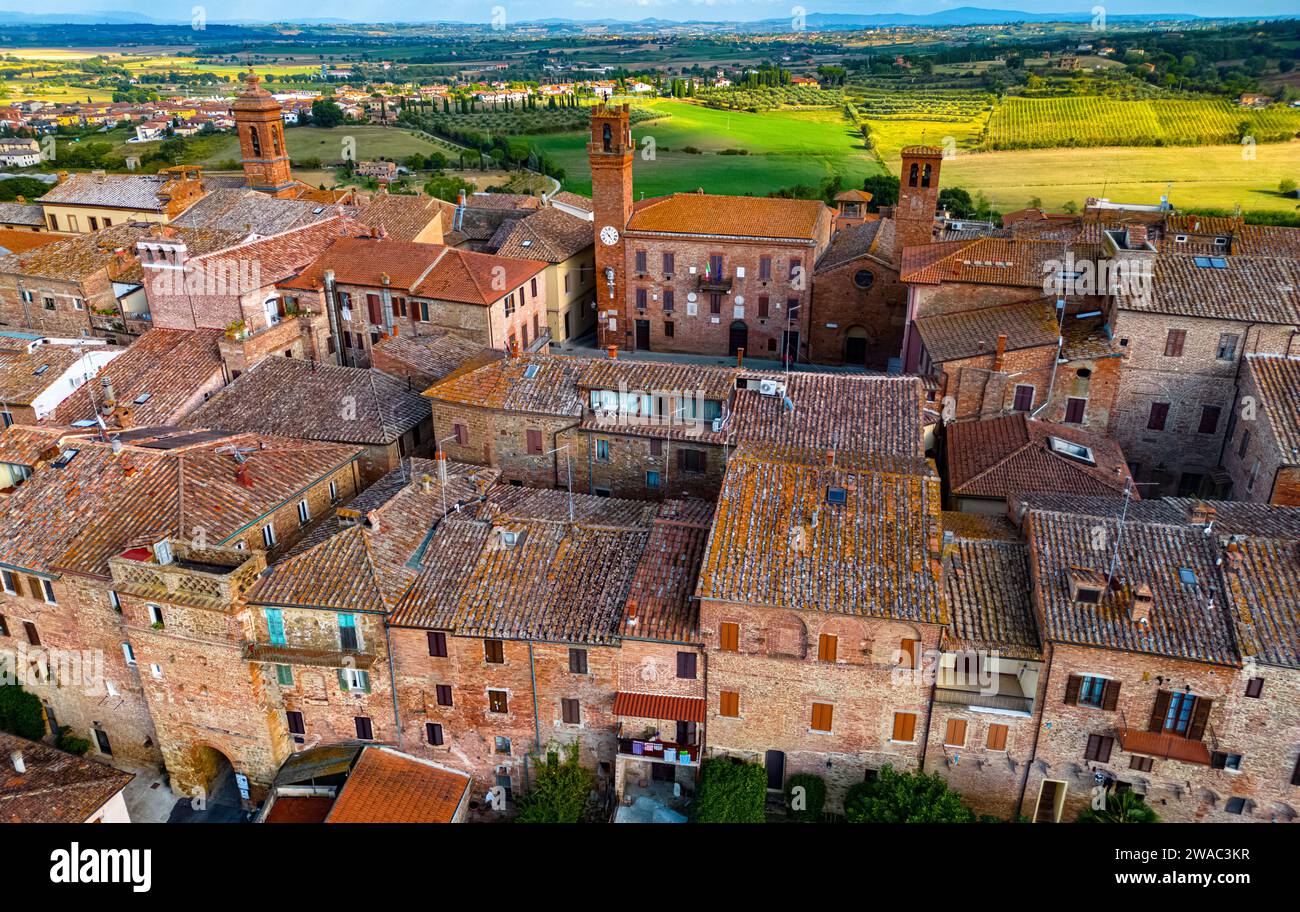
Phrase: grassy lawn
(785, 147)
(1206, 177)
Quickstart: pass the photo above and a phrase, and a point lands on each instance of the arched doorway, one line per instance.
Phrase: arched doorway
(738, 337)
(856, 342)
(209, 786)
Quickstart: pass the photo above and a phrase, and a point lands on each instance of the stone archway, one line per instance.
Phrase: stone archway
(857, 342)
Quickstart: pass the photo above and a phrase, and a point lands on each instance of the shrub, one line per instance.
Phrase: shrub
(561, 791)
(72, 743)
(21, 713)
(911, 797)
(814, 797)
(1120, 807)
(731, 791)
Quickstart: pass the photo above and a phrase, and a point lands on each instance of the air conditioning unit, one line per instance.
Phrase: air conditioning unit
(717, 425)
(771, 388)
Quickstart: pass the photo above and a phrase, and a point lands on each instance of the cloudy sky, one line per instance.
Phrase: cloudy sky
(523, 10)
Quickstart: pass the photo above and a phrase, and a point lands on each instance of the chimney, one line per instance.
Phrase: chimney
(110, 397)
(124, 417)
(514, 348)
(442, 466)
(631, 614)
(426, 483)
(613, 352)
(830, 458)
(999, 354)
(62, 176)
(1135, 236)
(20, 765)
(1201, 513)
(1232, 556)
(460, 199)
(1141, 608)
(740, 357)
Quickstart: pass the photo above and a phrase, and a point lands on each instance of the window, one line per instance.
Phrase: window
(904, 727)
(365, 732)
(501, 745)
(1254, 687)
(32, 636)
(1158, 416)
(955, 734)
(348, 639)
(462, 434)
(997, 740)
(433, 733)
(822, 714)
(578, 661)
(268, 535)
(729, 704)
(1099, 747)
(1092, 691)
(715, 303)
(4, 626)
(641, 261)
(765, 268)
(602, 450)
(304, 512)
(1254, 475)
(1245, 442)
(642, 298)
(764, 307)
(1235, 806)
(334, 492)
(910, 653)
(692, 460)
(827, 647)
(1141, 764)
(1074, 409)
(156, 670)
(686, 665)
(532, 287)
(1174, 343)
(1187, 576)
(1224, 761)
(297, 724)
(1227, 350)
(656, 447)
(534, 442)
(669, 263)
(570, 712)
(796, 269)
(1072, 450)
(498, 701)
(284, 675)
(837, 495)
(10, 582)
(1024, 400)
(156, 615)
(47, 591)
(652, 480)
(494, 651)
(1209, 419)
(669, 300)
(864, 278)
(1178, 716)
(438, 644)
(353, 680)
(129, 654)
(443, 692)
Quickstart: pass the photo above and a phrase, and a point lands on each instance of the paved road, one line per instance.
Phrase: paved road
(222, 806)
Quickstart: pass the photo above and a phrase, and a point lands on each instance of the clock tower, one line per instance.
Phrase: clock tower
(610, 151)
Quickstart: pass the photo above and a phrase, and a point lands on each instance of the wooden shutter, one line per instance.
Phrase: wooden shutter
(904, 726)
(437, 644)
(1295, 774)
(373, 306)
(35, 585)
(1072, 686)
(729, 703)
(729, 637)
(32, 636)
(534, 441)
(998, 737)
(1254, 687)
(1099, 747)
(1159, 711)
(569, 711)
(1200, 718)
(656, 447)
(681, 460)
(822, 714)
(910, 649)
(827, 647)
(1110, 695)
(434, 732)
(955, 736)
(704, 460)
(364, 730)
(444, 694)
(686, 665)
(296, 724)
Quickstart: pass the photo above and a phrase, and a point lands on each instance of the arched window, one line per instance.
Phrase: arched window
(607, 135)
(275, 138)
(925, 177)
(256, 142)
(911, 178)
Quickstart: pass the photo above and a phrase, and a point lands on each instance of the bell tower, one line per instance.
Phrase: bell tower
(918, 198)
(610, 152)
(261, 139)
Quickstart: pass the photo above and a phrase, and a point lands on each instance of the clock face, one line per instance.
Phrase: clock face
(609, 235)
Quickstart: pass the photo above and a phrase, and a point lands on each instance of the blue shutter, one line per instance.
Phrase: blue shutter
(275, 625)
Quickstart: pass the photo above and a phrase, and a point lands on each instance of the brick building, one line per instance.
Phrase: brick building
(858, 304)
(564, 242)
(1261, 448)
(695, 272)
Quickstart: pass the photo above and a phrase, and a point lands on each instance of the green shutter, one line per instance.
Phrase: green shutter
(365, 680)
(343, 681)
(284, 674)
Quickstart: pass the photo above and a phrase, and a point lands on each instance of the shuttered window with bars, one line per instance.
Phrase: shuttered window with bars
(827, 647)
(729, 637)
(1099, 748)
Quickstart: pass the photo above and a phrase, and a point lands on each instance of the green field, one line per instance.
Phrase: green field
(785, 147)
(327, 144)
(1211, 177)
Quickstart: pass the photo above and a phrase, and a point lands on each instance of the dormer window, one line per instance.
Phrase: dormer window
(1072, 450)
(837, 496)
(1086, 586)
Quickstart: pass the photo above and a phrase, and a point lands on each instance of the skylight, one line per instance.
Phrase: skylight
(837, 496)
(40, 370)
(1205, 262)
(1072, 450)
(143, 398)
(1187, 576)
(531, 371)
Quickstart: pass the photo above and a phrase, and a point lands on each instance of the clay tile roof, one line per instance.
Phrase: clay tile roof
(475, 278)
(57, 787)
(513, 201)
(983, 261)
(1264, 584)
(552, 388)
(777, 540)
(1277, 379)
(19, 381)
(730, 216)
(969, 333)
(299, 809)
(996, 457)
(662, 596)
(660, 706)
(551, 235)
(367, 260)
(989, 604)
(22, 214)
(1247, 288)
(851, 243)
(13, 240)
(853, 196)
(403, 217)
(429, 357)
(315, 401)
(645, 376)
(172, 366)
(879, 415)
(386, 786)
(1187, 620)
(121, 191)
(574, 200)
(250, 211)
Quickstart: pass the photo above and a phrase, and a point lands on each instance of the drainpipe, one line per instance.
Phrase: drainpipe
(537, 721)
(392, 682)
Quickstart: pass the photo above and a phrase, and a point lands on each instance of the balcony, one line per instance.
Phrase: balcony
(660, 751)
(1003, 694)
(212, 578)
(714, 284)
(1163, 745)
(295, 654)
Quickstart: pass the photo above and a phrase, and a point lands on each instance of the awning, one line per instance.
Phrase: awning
(658, 706)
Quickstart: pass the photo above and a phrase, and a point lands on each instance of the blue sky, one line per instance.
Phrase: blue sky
(522, 10)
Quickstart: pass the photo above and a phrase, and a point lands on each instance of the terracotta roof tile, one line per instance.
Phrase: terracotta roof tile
(550, 235)
(660, 706)
(550, 390)
(989, 598)
(971, 333)
(57, 787)
(730, 216)
(1277, 378)
(386, 786)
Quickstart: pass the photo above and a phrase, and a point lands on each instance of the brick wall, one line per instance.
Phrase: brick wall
(841, 306)
(500, 439)
(95, 292)
(624, 472)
